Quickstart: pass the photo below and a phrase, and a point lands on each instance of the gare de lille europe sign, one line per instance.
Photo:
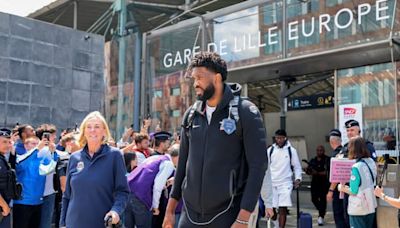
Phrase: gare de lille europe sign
(254, 40)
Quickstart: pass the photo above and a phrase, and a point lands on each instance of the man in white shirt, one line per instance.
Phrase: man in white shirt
(284, 163)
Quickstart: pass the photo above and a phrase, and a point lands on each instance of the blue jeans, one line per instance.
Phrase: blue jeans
(47, 211)
(136, 213)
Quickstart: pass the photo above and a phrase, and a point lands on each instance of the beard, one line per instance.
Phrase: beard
(208, 93)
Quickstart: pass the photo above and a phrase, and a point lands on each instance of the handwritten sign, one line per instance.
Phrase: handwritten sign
(340, 170)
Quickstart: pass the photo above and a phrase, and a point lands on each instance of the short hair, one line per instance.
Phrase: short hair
(157, 142)
(50, 128)
(174, 150)
(212, 61)
(67, 138)
(93, 115)
(358, 148)
(139, 137)
(281, 132)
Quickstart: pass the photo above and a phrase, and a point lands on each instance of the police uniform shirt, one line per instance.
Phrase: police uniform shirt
(4, 168)
(339, 153)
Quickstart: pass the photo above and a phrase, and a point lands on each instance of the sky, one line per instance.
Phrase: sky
(22, 7)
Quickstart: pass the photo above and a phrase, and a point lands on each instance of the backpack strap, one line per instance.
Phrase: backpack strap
(270, 153)
(290, 156)
(234, 107)
(189, 117)
(370, 171)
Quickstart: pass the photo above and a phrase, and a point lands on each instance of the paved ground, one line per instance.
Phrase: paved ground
(305, 206)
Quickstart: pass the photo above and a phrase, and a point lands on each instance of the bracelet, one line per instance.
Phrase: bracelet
(383, 196)
(242, 222)
(331, 190)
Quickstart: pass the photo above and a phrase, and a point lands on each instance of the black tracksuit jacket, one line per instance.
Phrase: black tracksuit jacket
(212, 164)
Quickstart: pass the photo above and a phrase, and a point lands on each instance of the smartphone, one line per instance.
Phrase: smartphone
(46, 135)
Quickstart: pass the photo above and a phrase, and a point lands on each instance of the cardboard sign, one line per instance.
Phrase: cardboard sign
(340, 170)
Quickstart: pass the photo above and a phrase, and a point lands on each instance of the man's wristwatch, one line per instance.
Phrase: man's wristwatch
(383, 196)
(331, 190)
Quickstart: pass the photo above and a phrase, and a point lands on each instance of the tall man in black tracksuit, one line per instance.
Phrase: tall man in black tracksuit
(222, 160)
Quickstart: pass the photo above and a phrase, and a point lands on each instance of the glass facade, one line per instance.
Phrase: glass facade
(112, 87)
(274, 31)
(168, 91)
(373, 86)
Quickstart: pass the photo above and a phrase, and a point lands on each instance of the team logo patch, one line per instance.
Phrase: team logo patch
(253, 109)
(80, 166)
(228, 125)
(353, 178)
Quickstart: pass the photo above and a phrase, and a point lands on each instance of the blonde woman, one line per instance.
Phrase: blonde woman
(96, 185)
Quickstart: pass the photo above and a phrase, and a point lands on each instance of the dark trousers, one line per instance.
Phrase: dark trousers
(318, 196)
(365, 221)
(6, 222)
(26, 216)
(225, 220)
(158, 220)
(137, 214)
(340, 214)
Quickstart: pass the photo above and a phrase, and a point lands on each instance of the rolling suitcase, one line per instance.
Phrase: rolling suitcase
(304, 220)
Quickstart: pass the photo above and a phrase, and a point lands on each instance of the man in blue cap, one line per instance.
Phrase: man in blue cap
(161, 142)
(353, 130)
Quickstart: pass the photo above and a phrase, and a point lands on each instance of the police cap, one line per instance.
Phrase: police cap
(162, 135)
(335, 132)
(4, 132)
(351, 123)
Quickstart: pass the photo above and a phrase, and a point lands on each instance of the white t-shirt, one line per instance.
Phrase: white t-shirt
(209, 112)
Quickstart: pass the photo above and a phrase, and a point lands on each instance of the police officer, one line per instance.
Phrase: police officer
(5, 146)
(222, 152)
(338, 205)
(161, 142)
(353, 130)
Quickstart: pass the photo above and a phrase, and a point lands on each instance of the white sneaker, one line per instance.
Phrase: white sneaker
(320, 221)
(276, 223)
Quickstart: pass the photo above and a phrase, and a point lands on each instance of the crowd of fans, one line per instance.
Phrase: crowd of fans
(47, 178)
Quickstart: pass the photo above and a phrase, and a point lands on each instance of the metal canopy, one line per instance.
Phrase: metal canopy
(266, 94)
(148, 14)
(263, 79)
(340, 58)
